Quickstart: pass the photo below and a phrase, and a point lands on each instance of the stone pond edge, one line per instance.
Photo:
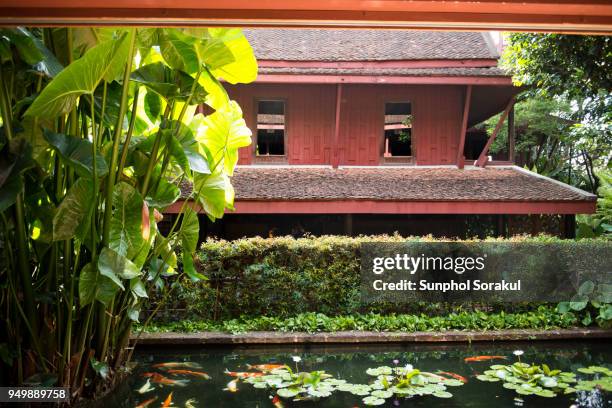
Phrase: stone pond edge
(358, 337)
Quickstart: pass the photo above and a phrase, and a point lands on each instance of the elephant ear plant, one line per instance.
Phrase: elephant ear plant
(99, 129)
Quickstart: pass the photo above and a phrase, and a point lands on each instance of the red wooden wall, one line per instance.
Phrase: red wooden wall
(310, 115)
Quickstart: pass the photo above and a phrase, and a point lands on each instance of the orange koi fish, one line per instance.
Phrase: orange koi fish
(189, 372)
(168, 401)
(265, 367)
(177, 364)
(243, 374)
(454, 375)
(483, 358)
(160, 379)
(277, 402)
(146, 403)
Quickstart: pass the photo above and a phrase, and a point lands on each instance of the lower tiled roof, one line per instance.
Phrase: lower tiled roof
(399, 184)
(401, 72)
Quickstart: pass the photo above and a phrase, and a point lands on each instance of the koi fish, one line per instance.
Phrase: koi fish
(242, 374)
(232, 386)
(483, 358)
(146, 387)
(454, 375)
(265, 367)
(168, 401)
(190, 403)
(146, 403)
(160, 379)
(189, 372)
(176, 364)
(277, 402)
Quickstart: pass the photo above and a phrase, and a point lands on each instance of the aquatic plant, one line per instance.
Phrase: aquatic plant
(406, 382)
(531, 379)
(399, 382)
(540, 380)
(602, 379)
(297, 385)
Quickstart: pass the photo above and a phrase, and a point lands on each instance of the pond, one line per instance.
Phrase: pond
(349, 363)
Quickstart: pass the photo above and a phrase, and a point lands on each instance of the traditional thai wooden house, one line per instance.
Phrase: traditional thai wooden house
(367, 131)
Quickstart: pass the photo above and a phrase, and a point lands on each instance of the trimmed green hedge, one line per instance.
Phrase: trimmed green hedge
(284, 277)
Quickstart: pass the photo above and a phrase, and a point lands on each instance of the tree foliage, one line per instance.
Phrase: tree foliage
(570, 76)
(99, 127)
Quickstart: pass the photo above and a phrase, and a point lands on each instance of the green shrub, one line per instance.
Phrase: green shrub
(285, 277)
(543, 317)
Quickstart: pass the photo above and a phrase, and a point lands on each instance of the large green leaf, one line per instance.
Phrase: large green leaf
(48, 64)
(114, 266)
(169, 83)
(225, 132)
(138, 288)
(79, 78)
(165, 251)
(228, 54)
(15, 158)
(216, 95)
(190, 231)
(125, 228)
(72, 216)
(152, 106)
(184, 148)
(27, 49)
(92, 285)
(191, 149)
(77, 153)
(214, 192)
(88, 282)
(189, 234)
(158, 78)
(164, 195)
(178, 50)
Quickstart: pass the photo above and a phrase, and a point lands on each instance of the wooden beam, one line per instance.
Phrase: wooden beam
(482, 159)
(381, 79)
(464, 122)
(432, 63)
(565, 16)
(403, 207)
(336, 142)
(511, 135)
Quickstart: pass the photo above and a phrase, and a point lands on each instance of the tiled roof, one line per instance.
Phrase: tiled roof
(367, 45)
(477, 72)
(398, 184)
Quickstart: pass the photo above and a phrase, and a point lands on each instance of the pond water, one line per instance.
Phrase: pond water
(350, 362)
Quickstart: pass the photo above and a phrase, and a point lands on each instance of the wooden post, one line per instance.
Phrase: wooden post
(482, 159)
(348, 224)
(336, 144)
(466, 112)
(511, 135)
(569, 226)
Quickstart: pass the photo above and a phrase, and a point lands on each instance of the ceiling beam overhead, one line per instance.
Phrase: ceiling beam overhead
(564, 16)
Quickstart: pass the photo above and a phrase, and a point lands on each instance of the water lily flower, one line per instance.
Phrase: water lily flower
(396, 362)
(296, 359)
(518, 352)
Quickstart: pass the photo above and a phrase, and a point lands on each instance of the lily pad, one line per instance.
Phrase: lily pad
(373, 401)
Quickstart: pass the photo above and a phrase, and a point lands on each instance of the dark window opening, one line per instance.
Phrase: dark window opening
(398, 129)
(270, 128)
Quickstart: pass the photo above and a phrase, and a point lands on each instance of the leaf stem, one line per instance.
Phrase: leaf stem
(110, 183)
